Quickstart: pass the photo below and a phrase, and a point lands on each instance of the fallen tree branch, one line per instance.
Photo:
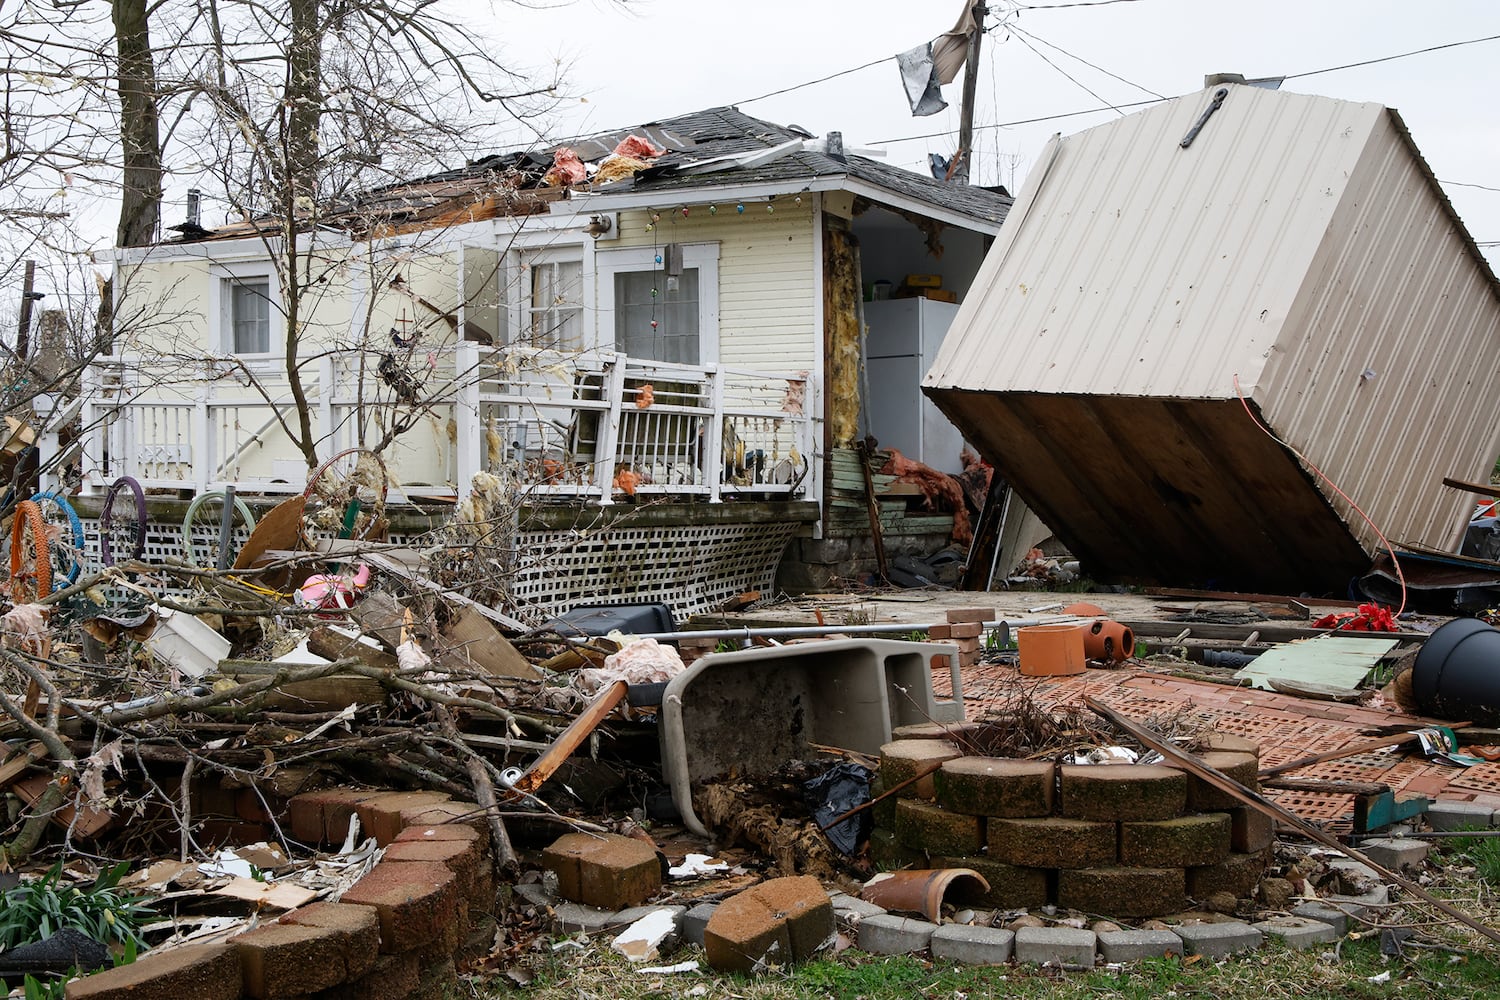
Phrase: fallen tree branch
(484, 791)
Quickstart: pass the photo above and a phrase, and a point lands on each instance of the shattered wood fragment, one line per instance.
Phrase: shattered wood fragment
(336, 643)
(471, 643)
(331, 692)
(16, 764)
(571, 738)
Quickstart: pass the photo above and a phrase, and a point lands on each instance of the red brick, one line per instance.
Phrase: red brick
(450, 814)
(745, 934)
(380, 815)
(322, 817)
(960, 615)
(193, 972)
(604, 870)
(358, 928)
(940, 631)
(968, 630)
(807, 909)
(290, 960)
(902, 760)
(416, 901)
(461, 857)
(393, 977)
(1122, 791)
(966, 645)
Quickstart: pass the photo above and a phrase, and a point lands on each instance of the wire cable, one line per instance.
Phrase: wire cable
(1073, 55)
(1389, 548)
(1398, 55)
(821, 79)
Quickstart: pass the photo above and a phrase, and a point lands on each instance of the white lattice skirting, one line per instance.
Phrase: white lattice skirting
(690, 568)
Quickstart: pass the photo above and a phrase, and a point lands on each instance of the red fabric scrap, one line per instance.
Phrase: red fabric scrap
(1368, 618)
(940, 491)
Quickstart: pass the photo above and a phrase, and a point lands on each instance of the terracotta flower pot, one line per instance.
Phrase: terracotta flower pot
(1107, 639)
(1051, 649)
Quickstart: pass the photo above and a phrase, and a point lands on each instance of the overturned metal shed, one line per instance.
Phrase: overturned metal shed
(1293, 257)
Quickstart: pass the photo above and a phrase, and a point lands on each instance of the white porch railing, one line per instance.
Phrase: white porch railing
(595, 426)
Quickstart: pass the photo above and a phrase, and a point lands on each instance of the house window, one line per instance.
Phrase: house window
(250, 315)
(553, 309)
(673, 302)
(635, 289)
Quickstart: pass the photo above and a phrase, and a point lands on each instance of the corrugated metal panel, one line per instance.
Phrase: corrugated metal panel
(1140, 267)
(1394, 291)
(766, 289)
(1299, 243)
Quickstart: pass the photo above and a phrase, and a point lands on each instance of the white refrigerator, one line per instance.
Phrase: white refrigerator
(902, 342)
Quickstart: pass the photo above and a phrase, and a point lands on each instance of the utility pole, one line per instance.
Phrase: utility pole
(28, 296)
(966, 110)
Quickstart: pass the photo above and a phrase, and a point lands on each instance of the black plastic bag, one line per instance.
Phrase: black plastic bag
(833, 793)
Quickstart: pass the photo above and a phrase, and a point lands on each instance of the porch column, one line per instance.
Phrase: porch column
(469, 438)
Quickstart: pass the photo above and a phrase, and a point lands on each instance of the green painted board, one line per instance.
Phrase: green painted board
(1339, 661)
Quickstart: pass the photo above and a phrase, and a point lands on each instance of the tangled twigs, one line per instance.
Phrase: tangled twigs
(484, 790)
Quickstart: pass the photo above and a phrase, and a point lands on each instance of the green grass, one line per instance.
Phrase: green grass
(1270, 974)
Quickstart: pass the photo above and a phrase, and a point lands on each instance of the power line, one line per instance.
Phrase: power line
(1071, 78)
(1482, 187)
(1080, 3)
(1022, 121)
(1073, 55)
(1136, 104)
(1398, 55)
(821, 79)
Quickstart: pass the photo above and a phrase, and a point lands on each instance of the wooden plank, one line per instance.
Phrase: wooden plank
(16, 764)
(1484, 490)
(1336, 660)
(1230, 595)
(571, 739)
(1239, 633)
(1260, 804)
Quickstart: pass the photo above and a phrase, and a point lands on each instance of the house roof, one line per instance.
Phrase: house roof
(715, 149)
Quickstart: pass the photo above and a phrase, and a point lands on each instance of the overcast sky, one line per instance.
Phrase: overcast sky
(659, 58)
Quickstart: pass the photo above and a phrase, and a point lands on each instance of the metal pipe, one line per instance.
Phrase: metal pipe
(814, 631)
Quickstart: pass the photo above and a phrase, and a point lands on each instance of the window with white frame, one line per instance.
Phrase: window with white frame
(661, 308)
(246, 299)
(551, 294)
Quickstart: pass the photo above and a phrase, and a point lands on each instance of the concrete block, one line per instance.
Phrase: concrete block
(893, 935)
(1396, 853)
(902, 760)
(416, 901)
(461, 857)
(1122, 792)
(1376, 897)
(1298, 933)
(923, 826)
(1242, 767)
(694, 920)
(889, 854)
(290, 960)
(322, 817)
(452, 813)
(1201, 839)
(1052, 842)
(1231, 743)
(746, 935)
(1058, 945)
(1012, 887)
(358, 929)
(775, 923)
(194, 972)
(1132, 946)
(1250, 831)
(1335, 917)
(1218, 940)
(852, 909)
(604, 870)
(1122, 892)
(992, 786)
(571, 918)
(972, 945)
(1237, 875)
(1446, 816)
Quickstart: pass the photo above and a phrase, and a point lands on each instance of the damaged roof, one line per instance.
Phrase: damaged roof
(718, 148)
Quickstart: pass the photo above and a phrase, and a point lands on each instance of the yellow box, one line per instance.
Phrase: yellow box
(939, 294)
(924, 281)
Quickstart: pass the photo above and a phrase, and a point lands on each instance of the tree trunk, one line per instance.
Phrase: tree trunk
(303, 101)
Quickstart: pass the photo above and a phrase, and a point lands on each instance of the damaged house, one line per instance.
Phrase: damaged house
(656, 334)
(1170, 282)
